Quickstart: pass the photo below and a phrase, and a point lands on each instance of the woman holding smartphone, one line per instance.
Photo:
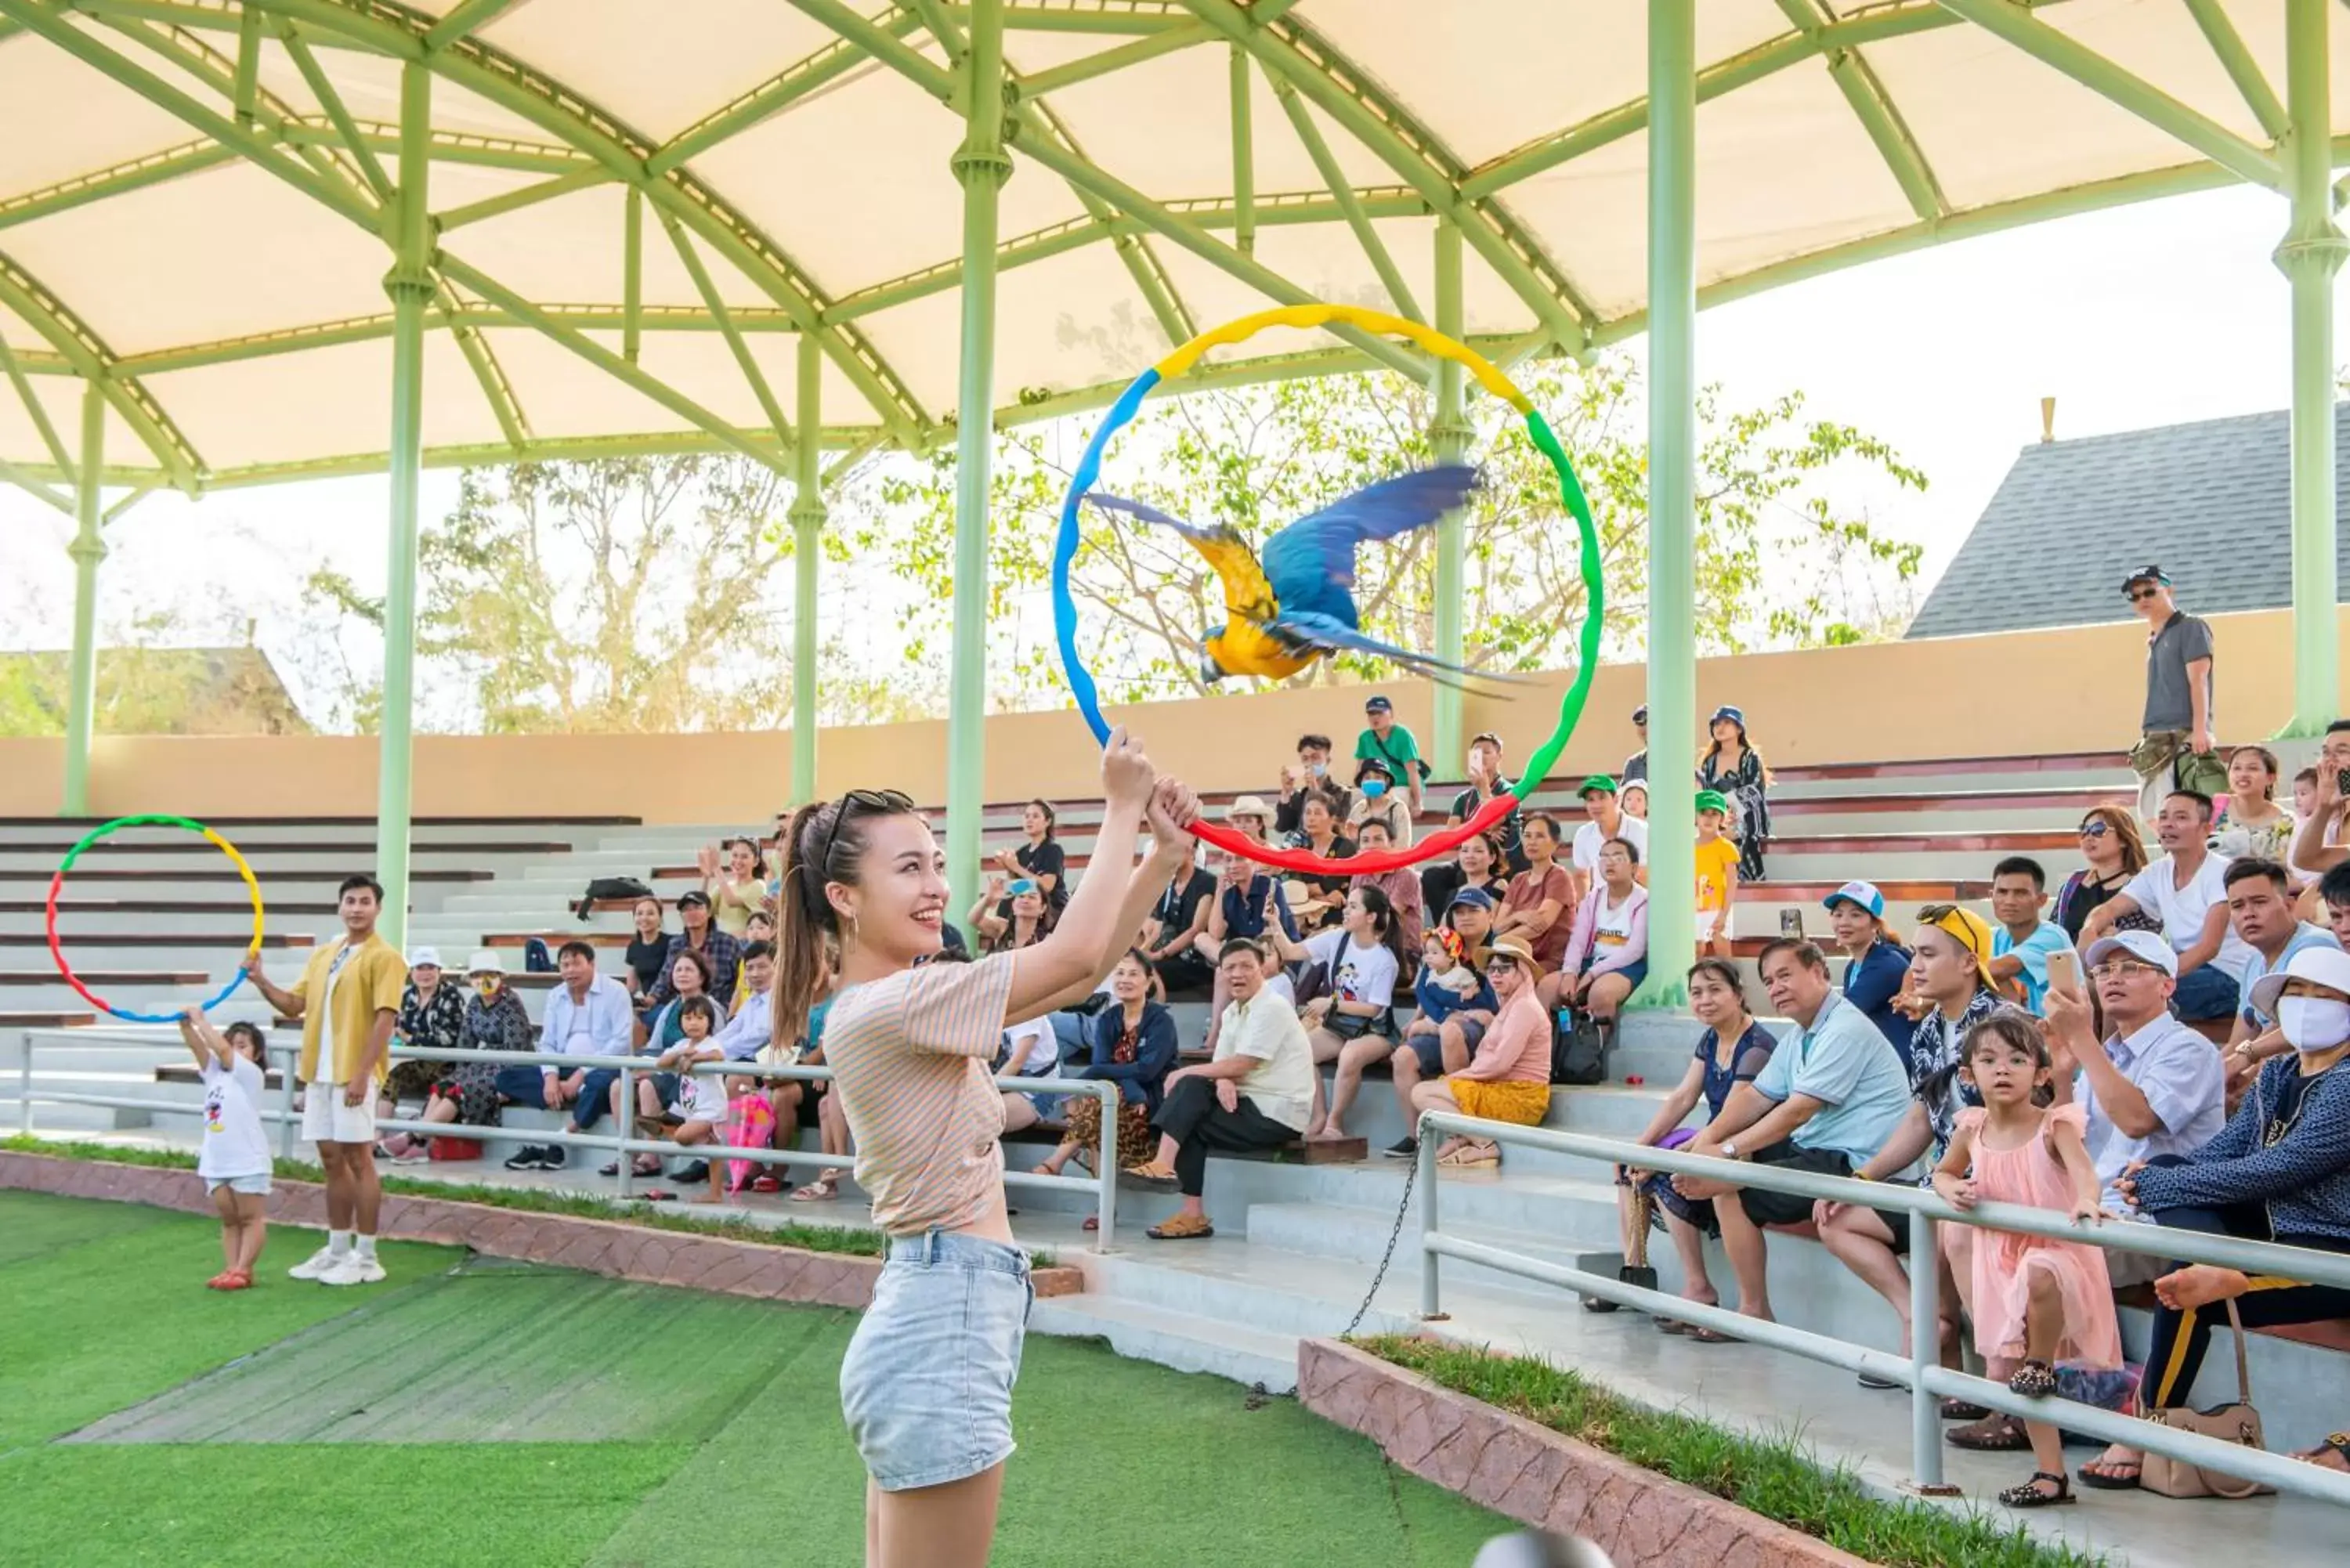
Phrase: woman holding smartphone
(1011, 915)
(926, 1386)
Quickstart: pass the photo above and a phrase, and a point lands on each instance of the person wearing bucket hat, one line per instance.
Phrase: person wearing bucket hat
(431, 1015)
(1877, 966)
(1508, 1080)
(1738, 771)
(2279, 1171)
(1378, 799)
(1950, 978)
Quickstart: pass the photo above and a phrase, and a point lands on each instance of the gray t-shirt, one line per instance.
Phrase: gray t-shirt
(2169, 705)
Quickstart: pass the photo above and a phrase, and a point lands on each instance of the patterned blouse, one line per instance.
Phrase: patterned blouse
(438, 1023)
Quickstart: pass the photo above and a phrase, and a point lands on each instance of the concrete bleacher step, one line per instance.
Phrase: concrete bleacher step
(1187, 1342)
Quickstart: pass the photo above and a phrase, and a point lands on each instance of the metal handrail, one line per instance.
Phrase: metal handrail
(1103, 1183)
(1921, 1371)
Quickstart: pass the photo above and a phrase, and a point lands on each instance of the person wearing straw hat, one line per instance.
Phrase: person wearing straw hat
(2278, 1172)
(1509, 1078)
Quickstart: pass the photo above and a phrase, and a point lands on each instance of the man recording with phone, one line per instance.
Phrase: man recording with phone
(2322, 841)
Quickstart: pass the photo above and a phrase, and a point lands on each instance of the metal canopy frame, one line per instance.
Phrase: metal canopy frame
(199, 62)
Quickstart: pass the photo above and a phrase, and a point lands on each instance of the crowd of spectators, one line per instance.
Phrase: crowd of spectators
(2192, 1007)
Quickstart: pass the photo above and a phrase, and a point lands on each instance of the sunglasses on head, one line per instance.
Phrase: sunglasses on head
(869, 802)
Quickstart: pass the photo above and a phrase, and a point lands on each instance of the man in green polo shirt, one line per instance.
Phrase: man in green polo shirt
(1393, 745)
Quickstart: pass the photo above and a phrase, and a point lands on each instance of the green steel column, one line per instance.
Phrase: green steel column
(410, 285)
(1672, 494)
(87, 549)
(2312, 253)
(1449, 433)
(981, 166)
(807, 529)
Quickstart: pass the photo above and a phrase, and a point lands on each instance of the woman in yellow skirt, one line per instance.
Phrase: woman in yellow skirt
(1509, 1079)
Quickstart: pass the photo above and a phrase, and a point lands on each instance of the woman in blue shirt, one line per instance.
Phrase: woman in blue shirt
(1134, 1047)
(1730, 1052)
(1877, 967)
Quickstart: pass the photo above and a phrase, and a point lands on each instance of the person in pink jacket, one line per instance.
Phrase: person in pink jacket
(1608, 951)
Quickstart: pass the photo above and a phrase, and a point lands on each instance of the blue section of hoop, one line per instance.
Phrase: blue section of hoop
(218, 997)
(1065, 553)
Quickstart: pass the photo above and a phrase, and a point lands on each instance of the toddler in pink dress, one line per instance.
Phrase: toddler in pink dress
(2036, 1300)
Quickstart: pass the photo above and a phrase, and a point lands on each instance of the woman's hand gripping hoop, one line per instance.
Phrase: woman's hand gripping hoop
(1489, 376)
(58, 883)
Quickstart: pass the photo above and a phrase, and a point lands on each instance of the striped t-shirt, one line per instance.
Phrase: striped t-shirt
(909, 1059)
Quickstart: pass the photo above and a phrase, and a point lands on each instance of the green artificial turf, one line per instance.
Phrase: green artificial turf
(717, 1437)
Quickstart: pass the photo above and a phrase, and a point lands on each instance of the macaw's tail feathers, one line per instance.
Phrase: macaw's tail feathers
(1328, 633)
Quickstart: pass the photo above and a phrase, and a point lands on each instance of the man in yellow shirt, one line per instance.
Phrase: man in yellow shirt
(1716, 873)
(347, 1001)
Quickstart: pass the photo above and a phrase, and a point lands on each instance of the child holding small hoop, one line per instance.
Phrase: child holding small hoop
(234, 1158)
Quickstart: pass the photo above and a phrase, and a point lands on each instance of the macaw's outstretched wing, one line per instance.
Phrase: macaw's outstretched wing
(1326, 634)
(1311, 563)
(1247, 595)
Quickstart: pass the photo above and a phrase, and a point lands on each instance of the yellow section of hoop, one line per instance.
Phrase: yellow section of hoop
(252, 885)
(1488, 374)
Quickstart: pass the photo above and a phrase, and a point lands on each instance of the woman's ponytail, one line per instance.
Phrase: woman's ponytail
(804, 926)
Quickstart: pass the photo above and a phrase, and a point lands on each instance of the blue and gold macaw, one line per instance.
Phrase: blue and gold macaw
(1298, 606)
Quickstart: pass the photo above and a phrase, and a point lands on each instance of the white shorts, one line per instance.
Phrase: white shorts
(326, 1119)
(255, 1186)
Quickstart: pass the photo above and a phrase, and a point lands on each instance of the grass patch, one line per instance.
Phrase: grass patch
(1771, 1476)
(857, 1243)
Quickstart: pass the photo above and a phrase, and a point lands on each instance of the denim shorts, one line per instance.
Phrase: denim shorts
(251, 1186)
(926, 1385)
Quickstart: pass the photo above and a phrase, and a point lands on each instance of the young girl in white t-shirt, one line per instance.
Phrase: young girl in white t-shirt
(234, 1158)
(701, 1096)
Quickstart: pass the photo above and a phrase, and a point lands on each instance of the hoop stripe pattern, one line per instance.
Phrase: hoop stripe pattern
(58, 883)
(1489, 376)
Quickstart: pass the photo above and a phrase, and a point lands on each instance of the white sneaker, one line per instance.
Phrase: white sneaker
(353, 1269)
(316, 1265)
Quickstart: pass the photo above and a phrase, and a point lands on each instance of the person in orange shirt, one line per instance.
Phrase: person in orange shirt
(1717, 874)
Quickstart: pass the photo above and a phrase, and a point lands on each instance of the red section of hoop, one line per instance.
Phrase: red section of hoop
(57, 951)
(1309, 864)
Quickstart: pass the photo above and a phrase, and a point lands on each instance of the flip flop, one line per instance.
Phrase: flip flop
(1704, 1335)
(657, 1195)
(2092, 1474)
(2333, 1454)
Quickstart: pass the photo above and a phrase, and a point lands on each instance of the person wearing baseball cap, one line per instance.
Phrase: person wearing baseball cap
(1716, 873)
(2275, 1172)
(1605, 819)
(1508, 1080)
(1877, 966)
(1393, 745)
(1636, 766)
(1949, 984)
(723, 955)
(2174, 749)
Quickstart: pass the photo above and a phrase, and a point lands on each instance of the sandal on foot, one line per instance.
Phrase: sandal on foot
(1956, 1409)
(1990, 1435)
(1601, 1304)
(1704, 1335)
(1182, 1227)
(2333, 1454)
(1871, 1381)
(766, 1184)
(822, 1191)
(2035, 1380)
(219, 1281)
(236, 1280)
(1152, 1175)
(2110, 1475)
(1093, 1223)
(2029, 1494)
(1671, 1325)
(1470, 1158)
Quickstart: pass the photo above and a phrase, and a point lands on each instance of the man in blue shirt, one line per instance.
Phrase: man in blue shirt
(1832, 1094)
(587, 1015)
(2020, 948)
(2260, 911)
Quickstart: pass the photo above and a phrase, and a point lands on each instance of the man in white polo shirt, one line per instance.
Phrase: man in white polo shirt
(2187, 890)
(1607, 821)
(587, 1015)
(2151, 1086)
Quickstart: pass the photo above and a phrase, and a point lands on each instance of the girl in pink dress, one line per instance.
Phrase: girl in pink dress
(2036, 1300)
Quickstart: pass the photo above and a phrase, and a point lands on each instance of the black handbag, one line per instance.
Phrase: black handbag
(1578, 1049)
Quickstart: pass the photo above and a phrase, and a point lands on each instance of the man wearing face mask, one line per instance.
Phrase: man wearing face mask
(1310, 775)
(1382, 801)
(2278, 1172)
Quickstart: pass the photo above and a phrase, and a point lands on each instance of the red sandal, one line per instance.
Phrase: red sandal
(236, 1280)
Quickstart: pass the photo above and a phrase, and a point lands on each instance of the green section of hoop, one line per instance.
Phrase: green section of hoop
(119, 823)
(1594, 612)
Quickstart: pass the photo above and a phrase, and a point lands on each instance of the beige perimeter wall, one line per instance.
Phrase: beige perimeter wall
(2066, 690)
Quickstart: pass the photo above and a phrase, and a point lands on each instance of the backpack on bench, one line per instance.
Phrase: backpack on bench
(1578, 1049)
(609, 888)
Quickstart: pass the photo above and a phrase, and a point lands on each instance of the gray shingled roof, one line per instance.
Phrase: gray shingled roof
(2208, 502)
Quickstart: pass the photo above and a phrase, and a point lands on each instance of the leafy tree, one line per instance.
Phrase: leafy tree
(642, 594)
(1779, 560)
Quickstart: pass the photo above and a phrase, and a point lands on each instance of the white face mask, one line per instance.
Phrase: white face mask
(2314, 1023)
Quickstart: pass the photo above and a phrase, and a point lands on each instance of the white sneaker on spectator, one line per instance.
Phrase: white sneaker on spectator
(316, 1265)
(353, 1269)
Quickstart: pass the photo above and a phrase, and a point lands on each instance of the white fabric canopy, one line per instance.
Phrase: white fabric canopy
(242, 329)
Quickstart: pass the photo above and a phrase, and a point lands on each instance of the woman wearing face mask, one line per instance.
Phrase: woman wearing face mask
(1380, 802)
(468, 1091)
(2279, 1171)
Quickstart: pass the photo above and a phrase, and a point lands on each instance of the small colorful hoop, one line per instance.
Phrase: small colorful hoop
(58, 883)
(1489, 376)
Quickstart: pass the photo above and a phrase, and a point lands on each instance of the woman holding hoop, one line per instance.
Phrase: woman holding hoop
(926, 1386)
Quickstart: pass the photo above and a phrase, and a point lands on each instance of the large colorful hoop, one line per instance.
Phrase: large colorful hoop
(1490, 377)
(58, 883)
